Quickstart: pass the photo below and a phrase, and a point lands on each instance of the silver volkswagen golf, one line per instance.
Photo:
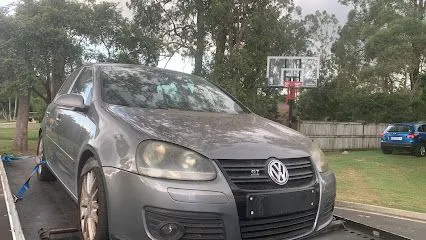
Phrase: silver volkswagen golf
(149, 153)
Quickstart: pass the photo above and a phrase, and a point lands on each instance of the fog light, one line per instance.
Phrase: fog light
(171, 231)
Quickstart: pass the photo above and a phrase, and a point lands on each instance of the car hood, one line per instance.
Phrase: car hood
(217, 135)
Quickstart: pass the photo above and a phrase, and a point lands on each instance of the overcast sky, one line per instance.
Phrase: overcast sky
(308, 6)
(4, 2)
(331, 6)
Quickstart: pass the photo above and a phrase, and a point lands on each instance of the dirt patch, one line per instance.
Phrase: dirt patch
(351, 186)
(359, 160)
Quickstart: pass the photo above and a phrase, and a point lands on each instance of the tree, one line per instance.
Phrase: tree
(323, 29)
(383, 44)
(17, 62)
(44, 39)
(113, 38)
(379, 58)
(255, 30)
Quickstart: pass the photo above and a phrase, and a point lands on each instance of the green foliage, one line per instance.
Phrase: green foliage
(241, 68)
(323, 29)
(326, 103)
(122, 40)
(378, 61)
(38, 106)
(382, 45)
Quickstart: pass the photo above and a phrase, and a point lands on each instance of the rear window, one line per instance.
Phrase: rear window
(399, 128)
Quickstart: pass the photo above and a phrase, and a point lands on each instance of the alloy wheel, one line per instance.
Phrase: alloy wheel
(422, 150)
(89, 206)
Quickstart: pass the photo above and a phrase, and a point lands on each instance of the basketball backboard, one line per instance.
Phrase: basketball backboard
(298, 69)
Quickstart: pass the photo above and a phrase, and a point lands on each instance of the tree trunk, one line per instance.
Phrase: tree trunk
(9, 115)
(415, 72)
(200, 38)
(223, 24)
(421, 8)
(15, 106)
(21, 132)
(46, 86)
(58, 71)
(220, 45)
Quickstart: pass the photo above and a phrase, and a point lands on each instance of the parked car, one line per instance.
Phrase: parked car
(149, 153)
(404, 136)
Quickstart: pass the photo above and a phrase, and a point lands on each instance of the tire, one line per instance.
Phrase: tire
(386, 151)
(91, 187)
(420, 151)
(43, 174)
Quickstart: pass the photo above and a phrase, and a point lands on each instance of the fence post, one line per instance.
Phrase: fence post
(363, 136)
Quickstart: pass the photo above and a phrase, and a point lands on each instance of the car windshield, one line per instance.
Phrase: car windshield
(149, 88)
(399, 128)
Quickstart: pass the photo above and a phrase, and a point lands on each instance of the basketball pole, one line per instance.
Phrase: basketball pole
(293, 95)
(290, 113)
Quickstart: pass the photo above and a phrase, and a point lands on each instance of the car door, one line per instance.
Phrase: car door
(51, 140)
(70, 123)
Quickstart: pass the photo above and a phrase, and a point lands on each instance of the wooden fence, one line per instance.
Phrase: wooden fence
(333, 136)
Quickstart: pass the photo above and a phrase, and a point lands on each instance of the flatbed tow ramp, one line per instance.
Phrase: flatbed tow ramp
(47, 212)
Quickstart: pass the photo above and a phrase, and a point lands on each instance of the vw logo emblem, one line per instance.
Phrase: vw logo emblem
(278, 172)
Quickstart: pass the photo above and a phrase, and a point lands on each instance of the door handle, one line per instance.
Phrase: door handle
(58, 118)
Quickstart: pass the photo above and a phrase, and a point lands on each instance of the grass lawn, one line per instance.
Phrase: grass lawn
(371, 177)
(6, 139)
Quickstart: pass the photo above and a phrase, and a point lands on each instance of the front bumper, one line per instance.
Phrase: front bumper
(131, 197)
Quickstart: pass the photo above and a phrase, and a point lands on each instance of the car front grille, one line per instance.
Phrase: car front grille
(253, 174)
(195, 225)
(278, 227)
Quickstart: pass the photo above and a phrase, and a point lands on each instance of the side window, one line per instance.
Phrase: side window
(84, 85)
(422, 128)
(68, 82)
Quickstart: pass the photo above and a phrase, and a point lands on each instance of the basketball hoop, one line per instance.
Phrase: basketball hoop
(292, 84)
(292, 89)
(292, 73)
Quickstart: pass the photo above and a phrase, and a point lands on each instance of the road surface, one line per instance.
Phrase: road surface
(413, 229)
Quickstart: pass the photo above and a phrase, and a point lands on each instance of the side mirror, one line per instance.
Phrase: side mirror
(72, 102)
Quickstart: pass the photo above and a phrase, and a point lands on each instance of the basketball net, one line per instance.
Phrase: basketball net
(292, 89)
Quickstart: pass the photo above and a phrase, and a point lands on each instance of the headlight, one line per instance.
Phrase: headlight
(318, 158)
(165, 160)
